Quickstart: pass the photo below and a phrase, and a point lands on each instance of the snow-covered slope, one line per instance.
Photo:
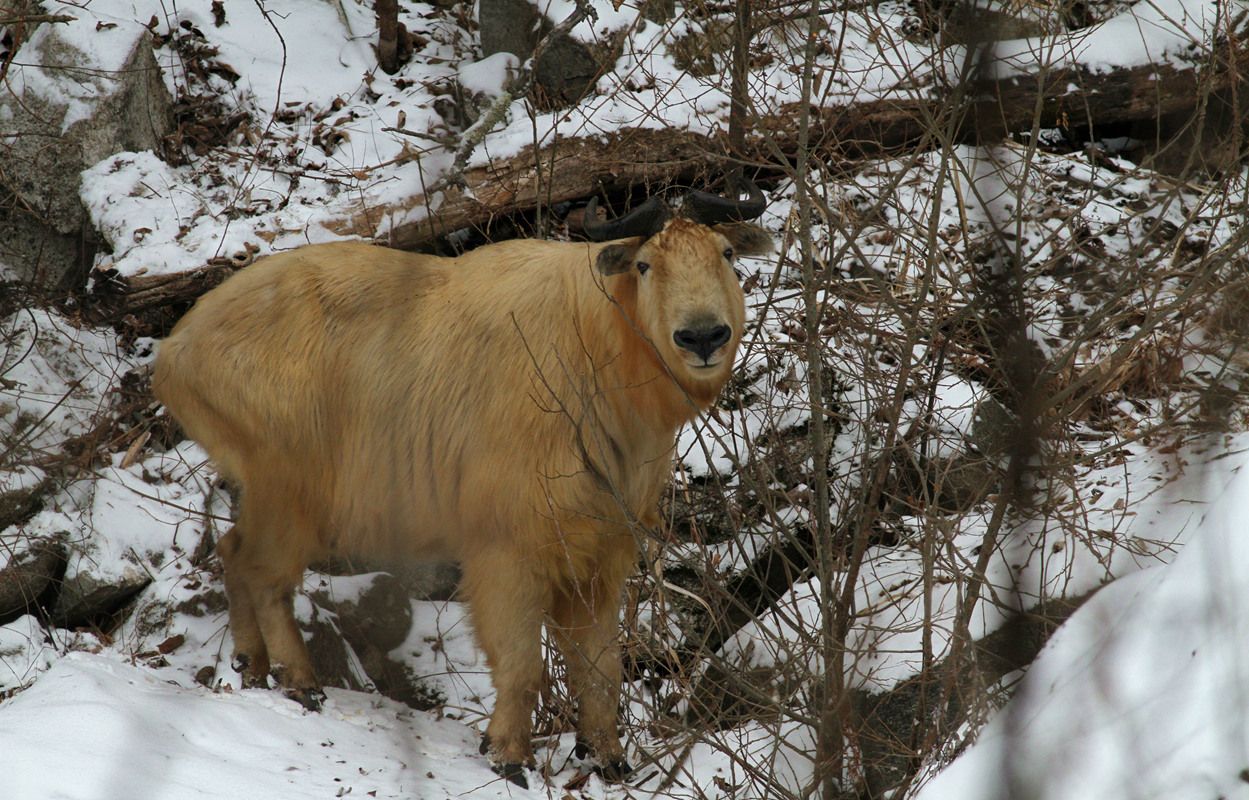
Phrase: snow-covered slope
(1143, 694)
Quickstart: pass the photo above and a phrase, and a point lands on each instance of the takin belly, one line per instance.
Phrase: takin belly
(384, 507)
(401, 474)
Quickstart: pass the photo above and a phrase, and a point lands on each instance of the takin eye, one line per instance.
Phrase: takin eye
(642, 267)
(728, 254)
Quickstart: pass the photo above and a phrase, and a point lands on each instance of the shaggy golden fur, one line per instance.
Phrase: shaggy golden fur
(513, 409)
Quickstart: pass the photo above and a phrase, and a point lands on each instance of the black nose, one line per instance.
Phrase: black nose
(703, 341)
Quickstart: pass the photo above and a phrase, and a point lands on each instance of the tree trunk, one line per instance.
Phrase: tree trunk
(389, 33)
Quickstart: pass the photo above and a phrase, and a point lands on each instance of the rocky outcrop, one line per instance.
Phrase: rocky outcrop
(75, 94)
(30, 568)
(88, 599)
(370, 621)
(566, 71)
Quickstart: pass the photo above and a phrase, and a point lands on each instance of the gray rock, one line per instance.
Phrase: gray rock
(380, 617)
(422, 580)
(969, 23)
(20, 504)
(370, 626)
(327, 649)
(566, 72)
(32, 565)
(429, 580)
(508, 26)
(86, 598)
(993, 429)
(962, 481)
(45, 233)
(942, 484)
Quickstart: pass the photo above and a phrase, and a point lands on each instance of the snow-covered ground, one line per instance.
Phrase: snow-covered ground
(1143, 693)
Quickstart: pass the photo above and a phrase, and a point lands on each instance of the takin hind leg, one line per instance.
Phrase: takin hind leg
(587, 620)
(508, 601)
(250, 656)
(262, 568)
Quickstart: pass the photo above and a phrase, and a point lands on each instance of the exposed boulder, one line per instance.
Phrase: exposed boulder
(331, 657)
(76, 93)
(378, 615)
(371, 616)
(429, 580)
(30, 566)
(569, 67)
(89, 598)
(420, 580)
(21, 494)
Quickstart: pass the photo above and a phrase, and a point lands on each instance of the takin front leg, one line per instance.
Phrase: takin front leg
(262, 570)
(587, 621)
(507, 600)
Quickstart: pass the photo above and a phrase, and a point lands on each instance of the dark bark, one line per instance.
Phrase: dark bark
(149, 305)
(389, 55)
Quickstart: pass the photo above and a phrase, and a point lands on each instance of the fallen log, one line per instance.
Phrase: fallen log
(985, 110)
(149, 305)
(1010, 100)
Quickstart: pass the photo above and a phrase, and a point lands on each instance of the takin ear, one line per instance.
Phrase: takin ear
(747, 239)
(616, 258)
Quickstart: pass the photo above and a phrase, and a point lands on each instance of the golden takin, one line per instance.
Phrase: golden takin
(513, 409)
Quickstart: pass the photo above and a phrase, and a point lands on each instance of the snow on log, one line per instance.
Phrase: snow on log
(1145, 63)
(1153, 61)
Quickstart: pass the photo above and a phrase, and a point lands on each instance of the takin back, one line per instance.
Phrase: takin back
(513, 409)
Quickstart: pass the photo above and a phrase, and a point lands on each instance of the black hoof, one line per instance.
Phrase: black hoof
(581, 749)
(485, 744)
(242, 664)
(614, 771)
(311, 699)
(514, 773)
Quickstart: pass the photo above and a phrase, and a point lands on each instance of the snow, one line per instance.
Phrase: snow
(1142, 694)
(134, 734)
(289, 52)
(1153, 32)
(56, 378)
(489, 75)
(25, 652)
(48, 69)
(608, 16)
(314, 65)
(155, 219)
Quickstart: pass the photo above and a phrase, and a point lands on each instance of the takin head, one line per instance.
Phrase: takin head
(680, 283)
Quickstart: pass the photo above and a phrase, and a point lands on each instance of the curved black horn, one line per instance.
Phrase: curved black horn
(645, 220)
(708, 209)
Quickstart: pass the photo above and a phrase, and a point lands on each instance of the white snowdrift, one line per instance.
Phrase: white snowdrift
(1179, 33)
(93, 728)
(1142, 694)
